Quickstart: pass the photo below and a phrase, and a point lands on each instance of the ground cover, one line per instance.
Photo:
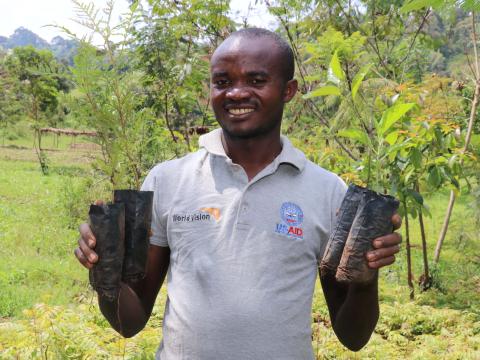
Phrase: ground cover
(47, 309)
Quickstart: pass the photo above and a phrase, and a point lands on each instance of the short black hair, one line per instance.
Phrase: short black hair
(288, 64)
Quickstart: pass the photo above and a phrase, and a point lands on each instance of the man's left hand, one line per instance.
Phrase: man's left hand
(385, 247)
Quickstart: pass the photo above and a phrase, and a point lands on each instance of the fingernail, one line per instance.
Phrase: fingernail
(378, 243)
(90, 242)
(92, 258)
(371, 256)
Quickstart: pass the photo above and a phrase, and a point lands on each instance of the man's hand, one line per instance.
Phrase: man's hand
(385, 247)
(86, 243)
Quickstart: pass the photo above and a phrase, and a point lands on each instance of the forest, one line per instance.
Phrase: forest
(388, 99)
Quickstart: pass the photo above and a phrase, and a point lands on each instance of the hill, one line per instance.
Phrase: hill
(63, 49)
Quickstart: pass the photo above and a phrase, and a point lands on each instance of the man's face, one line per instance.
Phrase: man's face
(248, 90)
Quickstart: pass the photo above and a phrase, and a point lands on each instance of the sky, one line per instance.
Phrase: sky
(35, 14)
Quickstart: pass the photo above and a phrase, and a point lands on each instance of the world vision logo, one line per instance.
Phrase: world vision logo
(292, 219)
(215, 212)
(204, 214)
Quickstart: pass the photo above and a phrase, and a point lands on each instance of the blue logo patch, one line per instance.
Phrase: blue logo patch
(291, 214)
(292, 219)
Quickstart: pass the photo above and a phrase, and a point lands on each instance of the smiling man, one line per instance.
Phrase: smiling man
(240, 226)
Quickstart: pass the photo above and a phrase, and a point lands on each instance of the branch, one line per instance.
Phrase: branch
(424, 20)
(309, 103)
(352, 22)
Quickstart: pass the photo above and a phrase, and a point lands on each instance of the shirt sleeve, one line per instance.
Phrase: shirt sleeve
(159, 213)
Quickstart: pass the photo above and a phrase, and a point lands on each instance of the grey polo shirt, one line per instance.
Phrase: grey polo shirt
(244, 254)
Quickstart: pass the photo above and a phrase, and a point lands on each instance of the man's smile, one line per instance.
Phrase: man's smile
(240, 111)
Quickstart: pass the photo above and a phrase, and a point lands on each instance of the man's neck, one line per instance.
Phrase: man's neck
(252, 154)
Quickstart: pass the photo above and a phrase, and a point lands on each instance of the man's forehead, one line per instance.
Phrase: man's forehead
(233, 44)
(241, 49)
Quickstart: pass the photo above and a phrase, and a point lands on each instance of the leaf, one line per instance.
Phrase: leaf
(452, 161)
(416, 196)
(337, 67)
(434, 177)
(392, 115)
(355, 134)
(134, 6)
(426, 211)
(323, 91)
(315, 77)
(414, 5)
(392, 137)
(409, 174)
(357, 80)
(416, 157)
(470, 5)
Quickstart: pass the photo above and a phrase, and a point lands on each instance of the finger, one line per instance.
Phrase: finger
(396, 221)
(387, 240)
(378, 254)
(99, 202)
(87, 235)
(382, 262)
(90, 255)
(82, 259)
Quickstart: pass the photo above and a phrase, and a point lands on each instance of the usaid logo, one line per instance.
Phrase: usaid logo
(292, 219)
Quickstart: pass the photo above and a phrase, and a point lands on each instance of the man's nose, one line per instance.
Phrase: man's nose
(237, 93)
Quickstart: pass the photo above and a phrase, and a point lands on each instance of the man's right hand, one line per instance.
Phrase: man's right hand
(86, 243)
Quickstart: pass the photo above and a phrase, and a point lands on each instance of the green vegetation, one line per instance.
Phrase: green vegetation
(389, 98)
(48, 310)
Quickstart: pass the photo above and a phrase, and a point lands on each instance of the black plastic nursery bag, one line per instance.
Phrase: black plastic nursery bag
(373, 219)
(108, 226)
(138, 216)
(338, 237)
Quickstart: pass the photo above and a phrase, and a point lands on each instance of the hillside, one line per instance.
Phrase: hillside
(63, 49)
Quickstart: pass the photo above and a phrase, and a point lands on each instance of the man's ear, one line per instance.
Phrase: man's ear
(291, 88)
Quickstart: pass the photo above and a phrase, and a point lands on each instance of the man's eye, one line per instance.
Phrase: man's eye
(258, 81)
(221, 82)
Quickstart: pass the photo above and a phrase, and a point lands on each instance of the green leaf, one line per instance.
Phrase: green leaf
(355, 134)
(470, 5)
(426, 211)
(357, 80)
(392, 137)
(414, 5)
(134, 6)
(315, 77)
(392, 115)
(409, 174)
(416, 157)
(434, 177)
(336, 67)
(416, 196)
(323, 91)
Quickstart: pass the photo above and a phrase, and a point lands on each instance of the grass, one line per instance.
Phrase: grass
(48, 310)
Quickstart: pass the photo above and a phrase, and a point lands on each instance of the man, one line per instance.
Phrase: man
(240, 227)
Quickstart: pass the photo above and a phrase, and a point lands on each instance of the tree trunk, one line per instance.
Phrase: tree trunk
(409, 257)
(425, 280)
(473, 112)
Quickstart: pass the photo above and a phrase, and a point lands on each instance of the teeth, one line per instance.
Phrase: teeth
(239, 111)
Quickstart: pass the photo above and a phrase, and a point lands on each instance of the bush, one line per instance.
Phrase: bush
(76, 195)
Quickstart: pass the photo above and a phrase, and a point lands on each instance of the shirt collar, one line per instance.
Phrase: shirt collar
(212, 143)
